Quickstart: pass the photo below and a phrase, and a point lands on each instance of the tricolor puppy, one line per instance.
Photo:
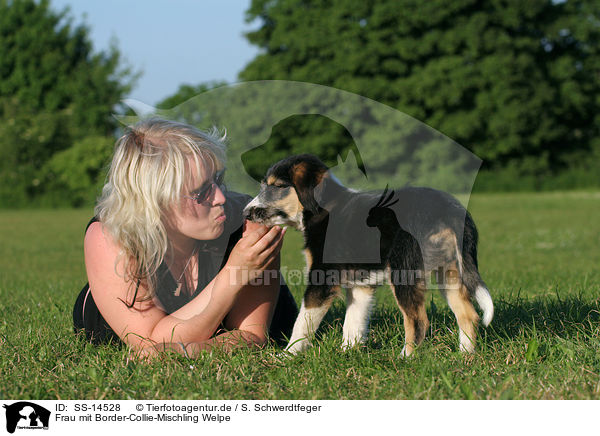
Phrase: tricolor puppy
(411, 238)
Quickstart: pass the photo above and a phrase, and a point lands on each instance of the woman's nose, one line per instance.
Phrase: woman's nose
(218, 196)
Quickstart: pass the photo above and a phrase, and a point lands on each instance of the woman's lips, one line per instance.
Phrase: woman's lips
(221, 218)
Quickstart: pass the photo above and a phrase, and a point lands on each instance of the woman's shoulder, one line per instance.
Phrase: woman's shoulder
(92, 221)
(97, 239)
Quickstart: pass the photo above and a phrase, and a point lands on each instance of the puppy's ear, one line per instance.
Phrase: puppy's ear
(327, 192)
(325, 195)
(305, 179)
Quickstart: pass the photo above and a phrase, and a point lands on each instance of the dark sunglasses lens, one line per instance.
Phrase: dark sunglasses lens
(203, 195)
(206, 192)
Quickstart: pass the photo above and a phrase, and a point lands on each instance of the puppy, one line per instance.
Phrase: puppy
(411, 238)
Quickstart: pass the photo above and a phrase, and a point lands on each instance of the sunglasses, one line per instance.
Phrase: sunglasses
(208, 189)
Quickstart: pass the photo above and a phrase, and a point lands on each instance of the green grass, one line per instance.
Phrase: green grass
(538, 253)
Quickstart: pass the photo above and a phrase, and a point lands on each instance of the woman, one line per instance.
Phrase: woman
(169, 264)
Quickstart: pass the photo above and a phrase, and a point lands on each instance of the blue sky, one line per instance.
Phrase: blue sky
(170, 42)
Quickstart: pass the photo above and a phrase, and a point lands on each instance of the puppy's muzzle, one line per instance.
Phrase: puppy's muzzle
(255, 213)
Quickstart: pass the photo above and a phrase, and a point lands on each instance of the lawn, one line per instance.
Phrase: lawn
(538, 253)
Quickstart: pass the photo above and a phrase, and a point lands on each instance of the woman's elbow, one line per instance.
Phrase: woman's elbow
(255, 339)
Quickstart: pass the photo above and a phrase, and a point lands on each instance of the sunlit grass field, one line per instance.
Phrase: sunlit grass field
(539, 254)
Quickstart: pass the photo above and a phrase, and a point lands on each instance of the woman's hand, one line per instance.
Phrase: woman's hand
(255, 252)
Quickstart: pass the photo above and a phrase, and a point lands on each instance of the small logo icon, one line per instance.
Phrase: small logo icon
(26, 415)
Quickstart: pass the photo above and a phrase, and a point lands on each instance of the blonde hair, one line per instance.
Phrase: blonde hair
(150, 170)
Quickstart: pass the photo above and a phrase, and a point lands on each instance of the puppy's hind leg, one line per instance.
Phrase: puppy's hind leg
(411, 300)
(459, 301)
(359, 304)
(315, 304)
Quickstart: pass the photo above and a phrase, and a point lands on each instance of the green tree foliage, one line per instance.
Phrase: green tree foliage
(78, 170)
(268, 120)
(516, 82)
(54, 91)
(323, 133)
(185, 92)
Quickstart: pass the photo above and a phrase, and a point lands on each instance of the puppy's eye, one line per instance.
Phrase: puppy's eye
(275, 184)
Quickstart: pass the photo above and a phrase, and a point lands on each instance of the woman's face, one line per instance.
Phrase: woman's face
(190, 219)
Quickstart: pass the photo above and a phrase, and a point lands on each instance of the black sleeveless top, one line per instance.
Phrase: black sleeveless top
(212, 256)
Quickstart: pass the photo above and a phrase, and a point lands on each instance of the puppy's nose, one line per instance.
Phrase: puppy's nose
(255, 214)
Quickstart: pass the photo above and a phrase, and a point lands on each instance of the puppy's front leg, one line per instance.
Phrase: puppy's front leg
(359, 304)
(315, 305)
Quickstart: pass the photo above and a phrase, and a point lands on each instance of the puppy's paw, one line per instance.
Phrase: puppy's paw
(297, 346)
(466, 345)
(406, 352)
(349, 344)
(283, 356)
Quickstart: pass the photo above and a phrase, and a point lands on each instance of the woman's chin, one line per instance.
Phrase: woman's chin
(210, 234)
(218, 231)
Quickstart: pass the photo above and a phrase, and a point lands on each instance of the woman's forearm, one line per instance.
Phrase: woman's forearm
(227, 341)
(199, 319)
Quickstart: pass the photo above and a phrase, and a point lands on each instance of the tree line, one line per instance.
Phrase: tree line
(516, 83)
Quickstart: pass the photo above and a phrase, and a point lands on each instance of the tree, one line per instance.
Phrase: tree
(324, 132)
(515, 82)
(78, 172)
(185, 92)
(54, 90)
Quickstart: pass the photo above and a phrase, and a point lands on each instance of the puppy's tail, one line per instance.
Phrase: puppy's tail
(470, 273)
(478, 290)
(484, 300)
